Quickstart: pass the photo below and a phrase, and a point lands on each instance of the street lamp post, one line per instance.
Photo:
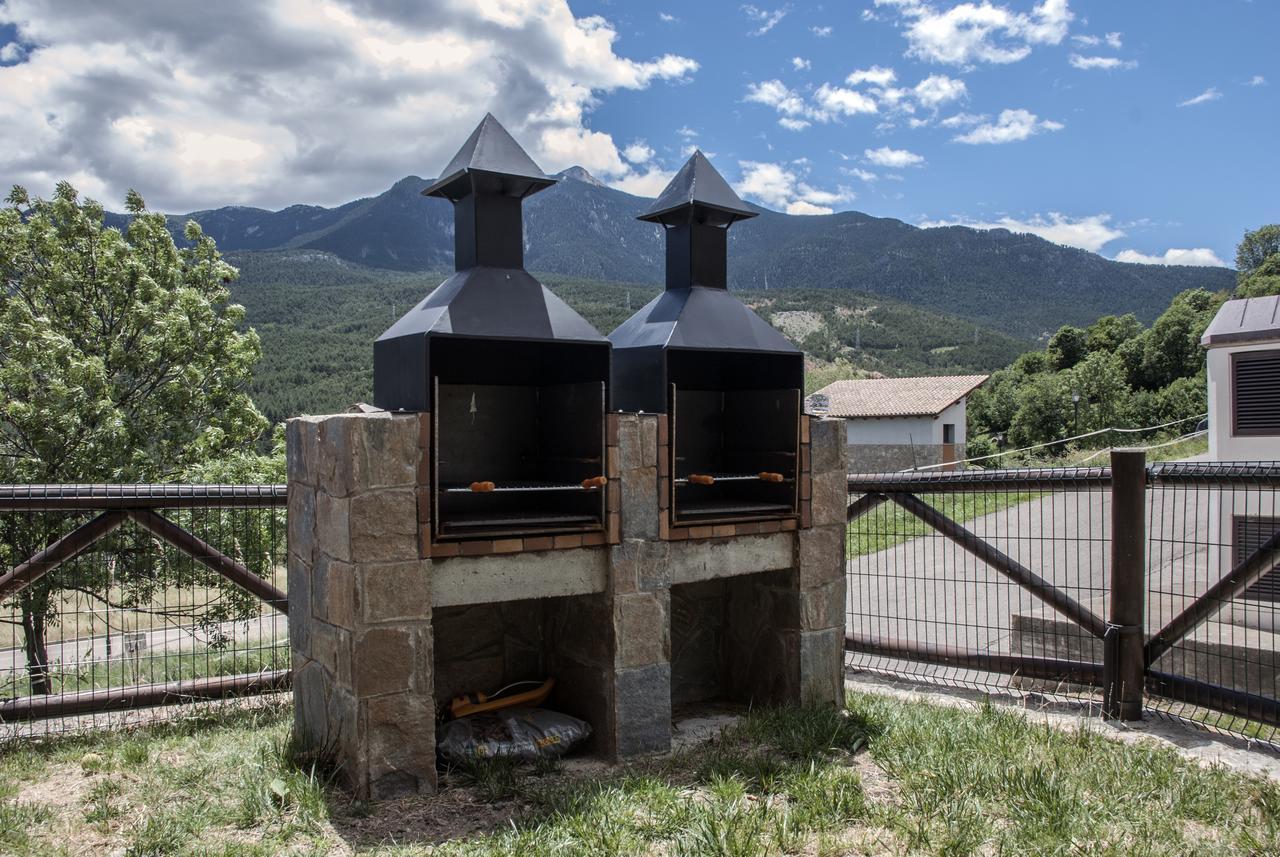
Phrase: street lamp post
(1075, 401)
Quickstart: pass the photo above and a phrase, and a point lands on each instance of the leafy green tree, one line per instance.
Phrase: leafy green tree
(1111, 331)
(1066, 348)
(1255, 248)
(1044, 411)
(1099, 381)
(1172, 349)
(121, 360)
(1031, 363)
(1262, 281)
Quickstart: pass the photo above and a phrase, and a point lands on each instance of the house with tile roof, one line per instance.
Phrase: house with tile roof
(900, 423)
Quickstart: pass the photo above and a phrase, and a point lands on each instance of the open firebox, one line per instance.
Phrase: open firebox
(515, 380)
(730, 384)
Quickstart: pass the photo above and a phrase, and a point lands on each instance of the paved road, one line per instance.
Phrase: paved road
(929, 590)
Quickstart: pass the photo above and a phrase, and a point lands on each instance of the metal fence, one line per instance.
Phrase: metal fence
(118, 602)
(1127, 587)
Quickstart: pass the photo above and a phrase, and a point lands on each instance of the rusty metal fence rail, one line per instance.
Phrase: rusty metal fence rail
(119, 600)
(1128, 587)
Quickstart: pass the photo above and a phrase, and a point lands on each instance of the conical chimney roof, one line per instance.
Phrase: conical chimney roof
(698, 184)
(492, 153)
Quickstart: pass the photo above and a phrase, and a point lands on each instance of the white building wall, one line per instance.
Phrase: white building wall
(921, 431)
(1223, 445)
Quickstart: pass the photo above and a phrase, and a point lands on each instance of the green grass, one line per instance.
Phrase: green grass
(884, 777)
(890, 525)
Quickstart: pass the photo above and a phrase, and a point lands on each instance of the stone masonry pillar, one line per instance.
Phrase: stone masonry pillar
(820, 563)
(360, 600)
(640, 586)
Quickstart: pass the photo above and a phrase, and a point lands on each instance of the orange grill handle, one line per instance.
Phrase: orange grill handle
(701, 479)
(482, 487)
(771, 477)
(595, 482)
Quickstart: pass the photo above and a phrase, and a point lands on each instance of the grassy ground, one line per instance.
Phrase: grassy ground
(887, 777)
(889, 524)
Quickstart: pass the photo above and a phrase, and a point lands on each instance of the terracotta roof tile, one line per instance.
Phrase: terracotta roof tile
(898, 397)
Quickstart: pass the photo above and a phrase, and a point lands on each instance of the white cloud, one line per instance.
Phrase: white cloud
(648, 183)
(799, 63)
(835, 100)
(1090, 233)
(970, 33)
(1257, 80)
(1087, 41)
(778, 186)
(272, 102)
(793, 124)
(963, 120)
(776, 94)
(859, 173)
(1210, 94)
(686, 132)
(667, 18)
(11, 52)
(1197, 256)
(638, 152)
(892, 158)
(1105, 63)
(766, 18)
(876, 75)
(820, 32)
(1113, 40)
(1010, 127)
(937, 89)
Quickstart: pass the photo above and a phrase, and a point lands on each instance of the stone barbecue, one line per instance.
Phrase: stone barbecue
(401, 599)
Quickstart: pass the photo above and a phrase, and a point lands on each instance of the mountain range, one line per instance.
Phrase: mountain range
(1018, 283)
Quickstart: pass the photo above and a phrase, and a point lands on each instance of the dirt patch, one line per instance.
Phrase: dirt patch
(455, 813)
(797, 324)
(60, 787)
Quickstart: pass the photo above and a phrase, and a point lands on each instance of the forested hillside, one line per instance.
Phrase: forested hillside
(318, 316)
(1020, 284)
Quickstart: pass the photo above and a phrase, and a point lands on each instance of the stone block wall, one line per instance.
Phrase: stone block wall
(892, 457)
(385, 628)
(360, 601)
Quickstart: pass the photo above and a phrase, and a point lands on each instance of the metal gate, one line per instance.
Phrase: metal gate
(1133, 587)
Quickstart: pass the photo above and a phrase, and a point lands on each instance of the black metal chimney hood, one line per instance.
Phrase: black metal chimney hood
(695, 316)
(491, 297)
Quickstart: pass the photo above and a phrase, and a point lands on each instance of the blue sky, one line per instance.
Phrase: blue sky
(1142, 130)
(1127, 155)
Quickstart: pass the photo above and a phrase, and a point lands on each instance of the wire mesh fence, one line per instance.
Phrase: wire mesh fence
(1002, 581)
(1213, 654)
(119, 602)
(972, 608)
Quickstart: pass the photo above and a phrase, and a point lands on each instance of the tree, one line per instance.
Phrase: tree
(1108, 333)
(1171, 348)
(1044, 411)
(121, 360)
(1262, 281)
(1255, 248)
(1066, 348)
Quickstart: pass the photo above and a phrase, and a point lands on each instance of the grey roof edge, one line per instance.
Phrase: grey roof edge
(1244, 321)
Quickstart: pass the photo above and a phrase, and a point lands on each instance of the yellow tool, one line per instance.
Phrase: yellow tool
(475, 703)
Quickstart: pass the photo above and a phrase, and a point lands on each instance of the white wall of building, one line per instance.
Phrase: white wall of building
(922, 431)
(1223, 445)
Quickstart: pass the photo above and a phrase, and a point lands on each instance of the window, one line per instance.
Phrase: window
(948, 432)
(1255, 393)
(1249, 535)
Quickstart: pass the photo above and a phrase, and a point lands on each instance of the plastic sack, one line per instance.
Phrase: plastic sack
(519, 733)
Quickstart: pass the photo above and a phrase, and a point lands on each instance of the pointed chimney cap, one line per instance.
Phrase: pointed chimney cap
(697, 192)
(491, 158)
